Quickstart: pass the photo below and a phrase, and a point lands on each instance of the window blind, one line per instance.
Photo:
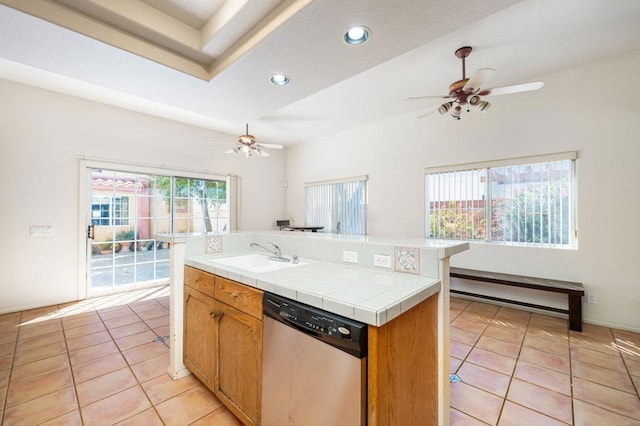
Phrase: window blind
(337, 205)
(510, 201)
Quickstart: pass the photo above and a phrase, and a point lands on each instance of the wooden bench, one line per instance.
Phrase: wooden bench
(573, 290)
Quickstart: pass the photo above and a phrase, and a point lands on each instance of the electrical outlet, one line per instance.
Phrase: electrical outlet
(592, 298)
(350, 256)
(382, 260)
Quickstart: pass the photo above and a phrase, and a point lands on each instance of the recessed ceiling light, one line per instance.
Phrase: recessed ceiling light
(280, 79)
(356, 35)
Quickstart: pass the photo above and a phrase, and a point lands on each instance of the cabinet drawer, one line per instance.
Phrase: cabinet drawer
(240, 296)
(199, 280)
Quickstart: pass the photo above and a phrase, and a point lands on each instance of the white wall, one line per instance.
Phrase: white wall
(593, 109)
(43, 133)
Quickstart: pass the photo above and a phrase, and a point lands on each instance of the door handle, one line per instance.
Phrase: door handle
(91, 232)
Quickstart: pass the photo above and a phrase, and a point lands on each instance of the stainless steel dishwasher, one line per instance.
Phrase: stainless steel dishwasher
(314, 370)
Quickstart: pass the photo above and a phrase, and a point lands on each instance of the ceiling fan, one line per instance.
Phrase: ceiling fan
(469, 91)
(248, 146)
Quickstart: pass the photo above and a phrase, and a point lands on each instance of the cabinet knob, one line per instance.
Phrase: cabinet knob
(216, 315)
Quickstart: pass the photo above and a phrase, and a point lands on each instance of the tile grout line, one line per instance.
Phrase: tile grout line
(513, 373)
(13, 359)
(601, 384)
(145, 392)
(73, 376)
(68, 364)
(129, 365)
(573, 410)
(626, 366)
(465, 360)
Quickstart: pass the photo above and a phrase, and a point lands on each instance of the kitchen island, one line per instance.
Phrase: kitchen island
(405, 307)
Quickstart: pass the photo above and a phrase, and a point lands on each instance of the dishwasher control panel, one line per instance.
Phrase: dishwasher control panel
(343, 333)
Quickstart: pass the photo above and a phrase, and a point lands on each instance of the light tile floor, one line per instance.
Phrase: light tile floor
(519, 368)
(99, 362)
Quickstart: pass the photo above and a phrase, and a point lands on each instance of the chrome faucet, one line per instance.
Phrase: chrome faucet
(277, 253)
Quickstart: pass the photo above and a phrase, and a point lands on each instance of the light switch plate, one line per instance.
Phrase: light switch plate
(41, 231)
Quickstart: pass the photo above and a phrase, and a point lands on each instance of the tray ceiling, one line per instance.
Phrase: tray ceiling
(208, 62)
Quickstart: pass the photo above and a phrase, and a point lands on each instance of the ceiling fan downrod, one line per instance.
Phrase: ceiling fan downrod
(462, 53)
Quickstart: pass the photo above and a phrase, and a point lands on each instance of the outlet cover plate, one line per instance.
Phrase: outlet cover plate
(350, 256)
(382, 260)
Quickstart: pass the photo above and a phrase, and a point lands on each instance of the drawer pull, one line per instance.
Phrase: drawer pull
(235, 294)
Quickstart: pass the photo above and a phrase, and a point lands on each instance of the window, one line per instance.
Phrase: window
(110, 211)
(200, 205)
(522, 201)
(338, 205)
(129, 209)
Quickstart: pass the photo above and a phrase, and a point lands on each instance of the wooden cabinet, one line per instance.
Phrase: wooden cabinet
(223, 340)
(223, 347)
(199, 331)
(199, 280)
(403, 368)
(239, 379)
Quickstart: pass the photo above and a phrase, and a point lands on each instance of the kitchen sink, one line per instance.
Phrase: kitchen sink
(255, 263)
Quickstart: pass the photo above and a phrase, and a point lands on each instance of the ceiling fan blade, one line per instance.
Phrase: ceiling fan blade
(516, 88)
(478, 78)
(263, 153)
(426, 114)
(230, 151)
(270, 145)
(420, 98)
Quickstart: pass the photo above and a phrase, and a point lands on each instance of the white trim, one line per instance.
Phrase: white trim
(233, 201)
(83, 241)
(363, 178)
(569, 155)
(121, 166)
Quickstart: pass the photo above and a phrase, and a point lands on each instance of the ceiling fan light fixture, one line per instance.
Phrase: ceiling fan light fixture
(442, 109)
(357, 34)
(455, 113)
(483, 106)
(474, 100)
(280, 79)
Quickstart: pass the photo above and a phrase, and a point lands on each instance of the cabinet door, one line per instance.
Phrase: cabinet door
(199, 335)
(239, 378)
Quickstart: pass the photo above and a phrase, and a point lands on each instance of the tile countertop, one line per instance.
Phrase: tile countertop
(369, 295)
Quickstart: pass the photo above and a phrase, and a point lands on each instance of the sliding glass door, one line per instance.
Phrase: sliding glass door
(126, 212)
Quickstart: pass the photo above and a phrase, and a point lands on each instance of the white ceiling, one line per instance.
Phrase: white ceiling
(208, 63)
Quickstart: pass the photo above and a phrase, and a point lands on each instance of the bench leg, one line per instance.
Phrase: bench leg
(575, 312)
